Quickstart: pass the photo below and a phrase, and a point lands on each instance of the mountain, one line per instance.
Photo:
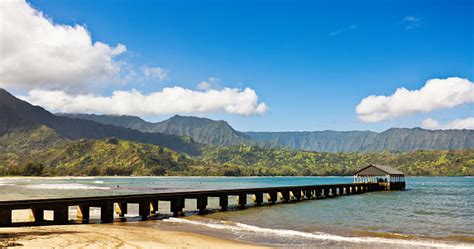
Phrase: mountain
(394, 139)
(24, 141)
(95, 157)
(20, 115)
(202, 130)
(209, 131)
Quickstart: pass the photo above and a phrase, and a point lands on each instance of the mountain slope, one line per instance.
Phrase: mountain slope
(95, 157)
(221, 133)
(201, 130)
(253, 160)
(18, 114)
(26, 141)
(395, 139)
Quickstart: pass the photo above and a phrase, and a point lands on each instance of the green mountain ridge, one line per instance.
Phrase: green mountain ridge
(201, 130)
(393, 139)
(17, 114)
(109, 156)
(208, 131)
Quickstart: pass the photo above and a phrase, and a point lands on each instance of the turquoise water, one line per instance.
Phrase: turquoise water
(432, 212)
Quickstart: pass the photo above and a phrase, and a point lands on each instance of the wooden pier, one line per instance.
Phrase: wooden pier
(115, 207)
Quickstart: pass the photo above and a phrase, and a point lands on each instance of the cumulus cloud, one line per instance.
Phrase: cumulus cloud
(167, 101)
(435, 94)
(154, 73)
(467, 123)
(212, 82)
(35, 52)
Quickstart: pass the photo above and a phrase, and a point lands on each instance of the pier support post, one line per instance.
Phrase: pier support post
(258, 199)
(144, 209)
(107, 212)
(317, 193)
(273, 197)
(286, 195)
(242, 200)
(155, 206)
(121, 209)
(177, 206)
(83, 213)
(308, 194)
(297, 194)
(223, 202)
(61, 215)
(5, 217)
(202, 204)
(38, 214)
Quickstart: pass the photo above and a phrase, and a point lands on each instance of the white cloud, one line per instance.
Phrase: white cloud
(212, 82)
(435, 94)
(167, 101)
(343, 30)
(35, 52)
(412, 22)
(155, 72)
(467, 123)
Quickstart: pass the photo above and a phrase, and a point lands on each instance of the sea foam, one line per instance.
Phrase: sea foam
(64, 186)
(240, 227)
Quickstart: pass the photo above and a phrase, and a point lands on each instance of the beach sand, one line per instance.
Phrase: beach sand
(109, 236)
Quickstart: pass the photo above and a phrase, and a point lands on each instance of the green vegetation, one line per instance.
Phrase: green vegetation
(207, 131)
(248, 160)
(96, 157)
(120, 157)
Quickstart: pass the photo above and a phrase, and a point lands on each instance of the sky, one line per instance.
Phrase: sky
(260, 65)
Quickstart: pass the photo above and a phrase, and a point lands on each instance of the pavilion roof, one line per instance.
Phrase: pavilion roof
(378, 170)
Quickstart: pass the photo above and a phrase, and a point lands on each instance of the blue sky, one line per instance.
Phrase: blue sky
(310, 62)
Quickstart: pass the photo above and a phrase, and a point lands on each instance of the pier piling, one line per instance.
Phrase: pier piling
(242, 200)
(83, 213)
(223, 202)
(107, 212)
(61, 214)
(144, 209)
(202, 204)
(177, 206)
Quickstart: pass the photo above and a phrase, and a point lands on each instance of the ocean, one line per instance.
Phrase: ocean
(433, 212)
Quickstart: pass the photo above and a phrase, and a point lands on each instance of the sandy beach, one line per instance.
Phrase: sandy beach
(109, 236)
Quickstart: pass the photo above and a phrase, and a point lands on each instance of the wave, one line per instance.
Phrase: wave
(64, 186)
(240, 227)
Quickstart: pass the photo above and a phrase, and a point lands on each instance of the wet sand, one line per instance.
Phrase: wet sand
(109, 236)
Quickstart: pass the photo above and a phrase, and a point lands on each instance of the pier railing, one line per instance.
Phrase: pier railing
(116, 206)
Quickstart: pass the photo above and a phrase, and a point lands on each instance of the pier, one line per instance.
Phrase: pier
(114, 208)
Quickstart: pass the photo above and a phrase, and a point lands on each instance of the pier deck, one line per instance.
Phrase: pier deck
(112, 207)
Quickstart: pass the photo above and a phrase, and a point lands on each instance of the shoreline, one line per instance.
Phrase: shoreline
(111, 236)
(185, 234)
